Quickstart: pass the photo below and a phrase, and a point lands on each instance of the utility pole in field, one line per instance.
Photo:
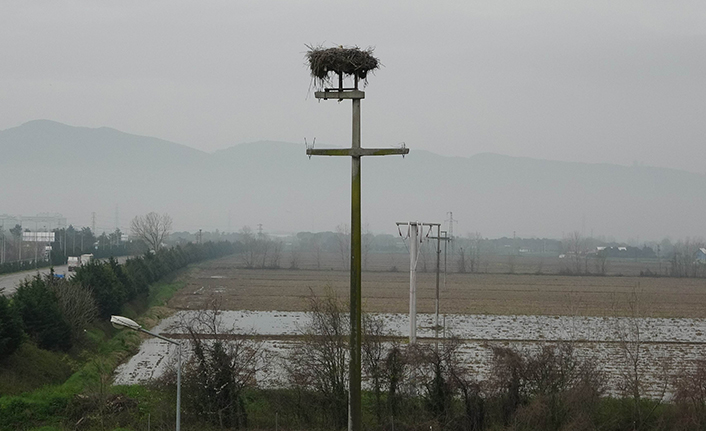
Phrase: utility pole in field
(415, 236)
(438, 239)
(450, 234)
(356, 63)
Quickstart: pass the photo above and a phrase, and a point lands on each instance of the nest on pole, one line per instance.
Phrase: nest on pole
(344, 61)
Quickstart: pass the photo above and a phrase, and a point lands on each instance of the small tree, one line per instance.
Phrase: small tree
(343, 240)
(152, 228)
(109, 292)
(41, 315)
(221, 368)
(75, 302)
(373, 355)
(10, 328)
(319, 363)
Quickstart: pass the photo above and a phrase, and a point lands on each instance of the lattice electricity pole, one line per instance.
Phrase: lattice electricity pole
(414, 237)
(356, 63)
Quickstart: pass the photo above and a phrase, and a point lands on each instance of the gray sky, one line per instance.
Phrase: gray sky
(597, 81)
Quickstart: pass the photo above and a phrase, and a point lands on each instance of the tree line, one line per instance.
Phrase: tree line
(53, 312)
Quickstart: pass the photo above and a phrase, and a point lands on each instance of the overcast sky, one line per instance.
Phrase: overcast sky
(596, 81)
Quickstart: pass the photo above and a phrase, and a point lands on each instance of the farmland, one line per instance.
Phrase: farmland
(495, 293)
(523, 311)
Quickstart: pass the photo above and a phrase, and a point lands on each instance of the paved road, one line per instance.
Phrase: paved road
(9, 282)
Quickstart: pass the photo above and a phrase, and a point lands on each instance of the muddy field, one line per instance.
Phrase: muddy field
(501, 294)
(519, 310)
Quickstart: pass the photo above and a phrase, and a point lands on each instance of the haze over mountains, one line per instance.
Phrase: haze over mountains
(51, 167)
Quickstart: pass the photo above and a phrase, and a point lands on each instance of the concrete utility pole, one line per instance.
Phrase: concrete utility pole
(438, 239)
(414, 237)
(446, 250)
(355, 152)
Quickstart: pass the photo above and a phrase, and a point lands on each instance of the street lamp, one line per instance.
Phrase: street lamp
(120, 322)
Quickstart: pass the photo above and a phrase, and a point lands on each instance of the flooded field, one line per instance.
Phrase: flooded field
(662, 319)
(663, 342)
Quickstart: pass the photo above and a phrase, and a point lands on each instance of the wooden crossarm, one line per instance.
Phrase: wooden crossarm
(340, 95)
(356, 152)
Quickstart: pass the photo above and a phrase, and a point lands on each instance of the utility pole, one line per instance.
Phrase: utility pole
(355, 152)
(414, 237)
(93, 223)
(450, 230)
(446, 249)
(438, 239)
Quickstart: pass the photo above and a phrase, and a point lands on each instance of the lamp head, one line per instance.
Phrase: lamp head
(120, 322)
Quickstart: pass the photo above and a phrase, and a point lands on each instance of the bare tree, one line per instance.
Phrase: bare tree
(690, 396)
(223, 365)
(461, 263)
(474, 251)
(319, 363)
(75, 302)
(684, 263)
(511, 262)
(637, 362)
(262, 246)
(574, 244)
(601, 262)
(343, 238)
(427, 254)
(368, 241)
(152, 228)
(316, 244)
(295, 256)
(374, 352)
(250, 247)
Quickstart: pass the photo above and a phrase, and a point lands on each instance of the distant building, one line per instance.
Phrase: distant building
(701, 255)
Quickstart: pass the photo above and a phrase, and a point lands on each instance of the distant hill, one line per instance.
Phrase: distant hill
(48, 166)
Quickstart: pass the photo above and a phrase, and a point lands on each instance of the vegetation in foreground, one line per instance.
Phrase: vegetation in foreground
(410, 387)
(57, 351)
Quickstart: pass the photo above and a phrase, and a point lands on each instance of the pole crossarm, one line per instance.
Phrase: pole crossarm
(340, 94)
(405, 223)
(356, 152)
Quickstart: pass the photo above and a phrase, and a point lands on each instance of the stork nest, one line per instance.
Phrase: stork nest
(343, 61)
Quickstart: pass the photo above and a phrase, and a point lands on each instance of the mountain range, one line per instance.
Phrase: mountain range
(47, 166)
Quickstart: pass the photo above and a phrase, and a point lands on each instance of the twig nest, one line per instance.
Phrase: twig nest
(343, 61)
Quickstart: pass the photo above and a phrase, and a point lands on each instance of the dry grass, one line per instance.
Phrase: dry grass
(507, 294)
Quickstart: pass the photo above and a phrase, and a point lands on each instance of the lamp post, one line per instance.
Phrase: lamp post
(121, 322)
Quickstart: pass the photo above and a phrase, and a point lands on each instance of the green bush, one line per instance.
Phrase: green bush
(10, 328)
(109, 292)
(41, 316)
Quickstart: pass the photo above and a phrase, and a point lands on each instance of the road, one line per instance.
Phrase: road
(9, 282)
